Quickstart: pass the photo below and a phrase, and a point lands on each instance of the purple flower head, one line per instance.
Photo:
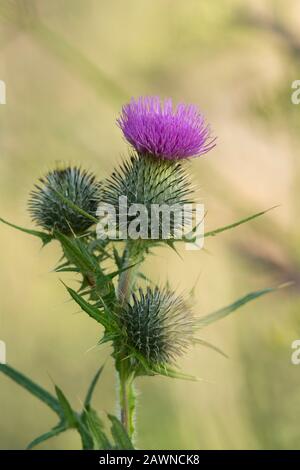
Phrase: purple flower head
(154, 127)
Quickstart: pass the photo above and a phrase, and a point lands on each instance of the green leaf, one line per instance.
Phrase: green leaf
(171, 244)
(92, 386)
(95, 427)
(67, 270)
(80, 257)
(86, 438)
(108, 338)
(77, 253)
(69, 414)
(174, 374)
(61, 407)
(62, 265)
(92, 311)
(45, 237)
(215, 232)
(61, 427)
(120, 271)
(119, 434)
(223, 312)
(191, 239)
(145, 278)
(117, 257)
(33, 388)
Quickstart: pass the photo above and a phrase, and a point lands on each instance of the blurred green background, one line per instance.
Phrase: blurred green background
(69, 65)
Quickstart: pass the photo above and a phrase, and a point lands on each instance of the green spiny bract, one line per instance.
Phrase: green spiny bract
(157, 327)
(148, 181)
(50, 212)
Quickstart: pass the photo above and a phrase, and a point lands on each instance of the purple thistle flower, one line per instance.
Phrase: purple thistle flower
(154, 127)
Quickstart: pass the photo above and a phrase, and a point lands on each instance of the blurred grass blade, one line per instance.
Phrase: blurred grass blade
(212, 233)
(223, 312)
(25, 17)
(48, 435)
(77, 61)
(45, 237)
(92, 386)
(33, 388)
(203, 342)
(95, 427)
(119, 434)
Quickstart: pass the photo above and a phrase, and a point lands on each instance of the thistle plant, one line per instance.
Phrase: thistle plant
(79, 187)
(148, 326)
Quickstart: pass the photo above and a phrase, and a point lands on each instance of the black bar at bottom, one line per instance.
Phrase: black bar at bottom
(142, 458)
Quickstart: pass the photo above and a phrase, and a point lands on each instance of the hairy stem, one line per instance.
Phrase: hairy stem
(126, 378)
(127, 399)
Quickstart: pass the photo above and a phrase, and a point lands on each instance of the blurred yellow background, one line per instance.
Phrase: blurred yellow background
(69, 65)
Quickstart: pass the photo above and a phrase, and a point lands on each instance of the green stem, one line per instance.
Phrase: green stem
(126, 377)
(126, 277)
(127, 399)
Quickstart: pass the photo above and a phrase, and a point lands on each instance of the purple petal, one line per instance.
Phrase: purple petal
(154, 127)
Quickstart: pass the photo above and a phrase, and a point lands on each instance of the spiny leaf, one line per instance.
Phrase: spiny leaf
(33, 388)
(86, 438)
(73, 419)
(99, 246)
(119, 434)
(92, 386)
(223, 312)
(67, 270)
(120, 271)
(68, 413)
(168, 372)
(61, 427)
(95, 427)
(117, 257)
(62, 265)
(212, 233)
(191, 239)
(88, 308)
(45, 237)
(77, 253)
(171, 244)
(107, 338)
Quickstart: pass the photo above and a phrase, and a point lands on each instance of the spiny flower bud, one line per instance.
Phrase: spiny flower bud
(153, 184)
(156, 128)
(158, 325)
(50, 212)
